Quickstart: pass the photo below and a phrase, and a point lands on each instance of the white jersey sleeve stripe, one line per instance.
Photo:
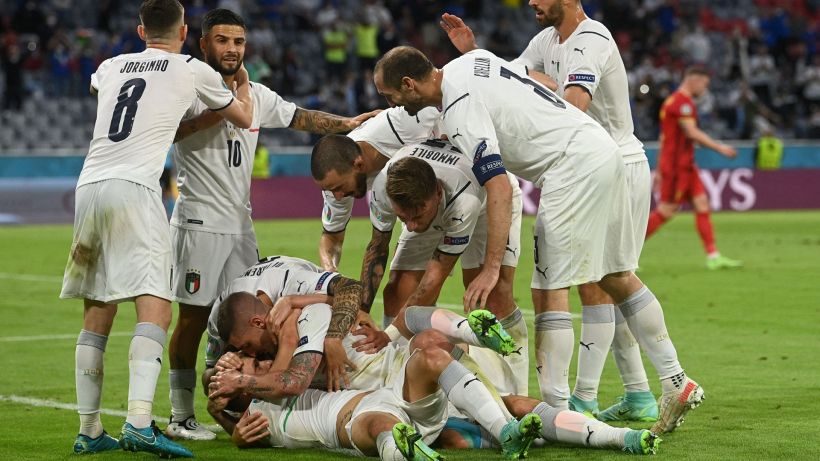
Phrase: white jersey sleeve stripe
(396, 133)
(593, 32)
(454, 197)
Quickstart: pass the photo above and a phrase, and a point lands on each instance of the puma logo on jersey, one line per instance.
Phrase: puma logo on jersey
(468, 382)
(456, 135)
(542, 272)
(580, 50)
(586, 345)
(459, 219)
(302, 320)
(590, 434)
(512, 250)
(299, 287)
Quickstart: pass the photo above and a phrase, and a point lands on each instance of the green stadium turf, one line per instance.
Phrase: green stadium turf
(750, 337)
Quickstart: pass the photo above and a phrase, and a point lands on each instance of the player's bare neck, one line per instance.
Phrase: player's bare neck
(571, 23)
(162, 45)
(436, 96)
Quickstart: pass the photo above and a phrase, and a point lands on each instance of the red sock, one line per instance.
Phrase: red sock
(707, 234)
(655, 221)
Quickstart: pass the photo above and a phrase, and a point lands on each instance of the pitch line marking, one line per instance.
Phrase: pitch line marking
(31, 277)
(34, 402)
(14, 339)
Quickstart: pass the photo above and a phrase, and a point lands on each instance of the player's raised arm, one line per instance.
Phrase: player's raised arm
(201, 122)
(460, 35)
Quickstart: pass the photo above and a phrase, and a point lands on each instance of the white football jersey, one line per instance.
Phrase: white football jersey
(460, 206)
(589, 58)
(141, 99)
(276, 276)
(387, 132)
(215, 165)
(492, 111)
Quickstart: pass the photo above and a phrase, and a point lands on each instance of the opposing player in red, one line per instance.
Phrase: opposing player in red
(677, 173)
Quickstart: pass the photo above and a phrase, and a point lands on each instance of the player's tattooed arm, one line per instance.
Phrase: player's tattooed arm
(319, 122)
(201, 122)
(375, 260)
(290, 382)
(330, 249)
(435, 274)
(347, 297)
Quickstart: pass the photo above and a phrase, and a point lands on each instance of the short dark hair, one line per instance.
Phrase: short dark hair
(230, 310)
(410, 182)
(218, 17)
(403, 61)
(333, 152)
(697, 70)
(160, 17)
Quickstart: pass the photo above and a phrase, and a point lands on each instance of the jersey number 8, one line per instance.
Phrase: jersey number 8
(121, 126)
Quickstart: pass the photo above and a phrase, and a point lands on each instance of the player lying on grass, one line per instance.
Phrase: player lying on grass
(275, 281)
(448, 218)
(242, 313)
(385, 372)
(559, 425)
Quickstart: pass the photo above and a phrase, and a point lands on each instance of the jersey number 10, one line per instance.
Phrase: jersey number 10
(234, 153)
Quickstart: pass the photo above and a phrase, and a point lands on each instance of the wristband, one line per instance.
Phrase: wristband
(392, 332)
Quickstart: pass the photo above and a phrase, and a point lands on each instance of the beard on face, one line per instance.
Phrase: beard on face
(217, 65)
(361, 185)
(553, 16)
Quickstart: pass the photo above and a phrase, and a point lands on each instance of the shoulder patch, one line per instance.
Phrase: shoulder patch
(581, 78)
(322, 280)
(456, 240)
(686, 109)
(479, 151)
(302, 341)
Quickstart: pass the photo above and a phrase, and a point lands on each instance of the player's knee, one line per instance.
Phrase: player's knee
(430, 339)
(451, 439)
(433, 359)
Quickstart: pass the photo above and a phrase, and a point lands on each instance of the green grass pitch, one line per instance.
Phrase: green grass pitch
(751, 337)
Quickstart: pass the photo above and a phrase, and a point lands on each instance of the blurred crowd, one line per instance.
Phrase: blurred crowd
(319, 53)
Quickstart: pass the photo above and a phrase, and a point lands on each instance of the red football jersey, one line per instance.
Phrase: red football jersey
(677, 152)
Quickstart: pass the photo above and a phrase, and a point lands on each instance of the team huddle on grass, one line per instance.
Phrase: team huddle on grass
(293, 358)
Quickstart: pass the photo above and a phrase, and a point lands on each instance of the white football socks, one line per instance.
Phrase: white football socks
(576, 428)
(627, 357)
(452, 325)
(386, 446)
(468, 394)
(88, 378)
(644, 315)
(597, 330)
(554, 341)
(144, 365)
(182, 383)
(519, 362)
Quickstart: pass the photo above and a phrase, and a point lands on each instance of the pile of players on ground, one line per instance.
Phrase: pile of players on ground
(293, 357)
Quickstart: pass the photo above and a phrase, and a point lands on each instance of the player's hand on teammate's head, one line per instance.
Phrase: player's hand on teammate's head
(543, 79)
(459, 33)
(336, 361)
(374, 340)
(228, 361)
(226, 384)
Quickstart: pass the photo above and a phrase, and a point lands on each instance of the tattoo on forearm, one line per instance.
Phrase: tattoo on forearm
(318, 122)
(292, 381)
(375, 260)
(346, 300)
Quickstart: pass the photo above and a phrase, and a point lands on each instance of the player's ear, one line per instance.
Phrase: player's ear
(407, 83)
(358, 163)
(258, 322)
(202, 42)
(141, 32)
(183, 32)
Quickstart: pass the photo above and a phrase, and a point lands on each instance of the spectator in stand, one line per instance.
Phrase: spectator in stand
(336, 41)
(366, 31)
(13, 93)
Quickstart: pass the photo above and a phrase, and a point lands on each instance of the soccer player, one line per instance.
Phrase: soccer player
(582, 55)
(121, 249)
(211, 228)
(677, 174)
(370, 422)
(240, 314)
(582, 230)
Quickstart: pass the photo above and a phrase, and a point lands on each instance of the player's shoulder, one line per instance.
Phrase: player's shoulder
(592, 29)
(545, 37)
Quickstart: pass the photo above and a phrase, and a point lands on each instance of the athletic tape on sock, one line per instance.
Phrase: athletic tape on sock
(418, 319)
(182, 379)
(599, 313)
(151, 331)
(547, 414)
(553, 321)
(89, 338)
(636, 301)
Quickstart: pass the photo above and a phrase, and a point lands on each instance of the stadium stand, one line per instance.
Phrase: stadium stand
(763, 55)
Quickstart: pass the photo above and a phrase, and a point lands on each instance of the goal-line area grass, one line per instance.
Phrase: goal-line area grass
(750, 337)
